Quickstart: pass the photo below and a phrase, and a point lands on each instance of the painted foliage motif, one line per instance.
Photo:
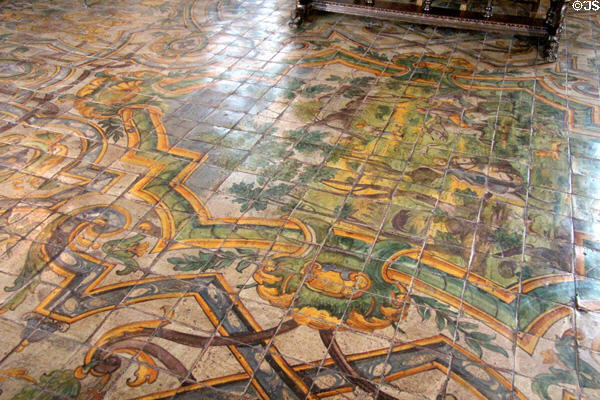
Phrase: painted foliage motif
(200, 203)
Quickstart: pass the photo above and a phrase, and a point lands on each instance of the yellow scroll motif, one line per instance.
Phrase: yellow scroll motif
(333, 284)
(203, 214)
(531, 334)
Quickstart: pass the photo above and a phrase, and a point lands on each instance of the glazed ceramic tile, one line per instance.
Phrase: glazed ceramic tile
(198, 201)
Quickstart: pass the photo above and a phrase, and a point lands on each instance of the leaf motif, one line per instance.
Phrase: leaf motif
(495, 348)
(440, 321)
(482, 337)
(204, 256)
(474, 345)
(127, 270)
(397, 328)
(425, 313)
(468, 326)
(432, 303)
(190, 267)
(59, 384)
(13, 302)
(191, 262)
(224, 263)
(242, 265)
(259, 205)
(541, 383)
(314, 90)
(452, 327)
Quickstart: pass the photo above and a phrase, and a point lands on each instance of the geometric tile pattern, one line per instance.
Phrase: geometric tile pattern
(198, 201)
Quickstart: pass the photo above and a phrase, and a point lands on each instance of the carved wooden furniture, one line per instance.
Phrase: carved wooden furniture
(423, 12)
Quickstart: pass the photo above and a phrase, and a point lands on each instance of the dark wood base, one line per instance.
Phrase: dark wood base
(549, 28)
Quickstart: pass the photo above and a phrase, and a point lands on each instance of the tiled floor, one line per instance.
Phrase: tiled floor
(198, 202)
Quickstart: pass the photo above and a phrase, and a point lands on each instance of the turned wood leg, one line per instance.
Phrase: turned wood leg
(551, 48)
(300, 12)
(555, 20)
(488, 10)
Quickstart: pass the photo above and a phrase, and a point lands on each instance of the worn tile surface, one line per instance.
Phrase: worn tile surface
(199, 202)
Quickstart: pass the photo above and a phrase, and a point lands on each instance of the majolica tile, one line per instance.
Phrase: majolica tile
(551, 376)
(584, 207)
(197, 201)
